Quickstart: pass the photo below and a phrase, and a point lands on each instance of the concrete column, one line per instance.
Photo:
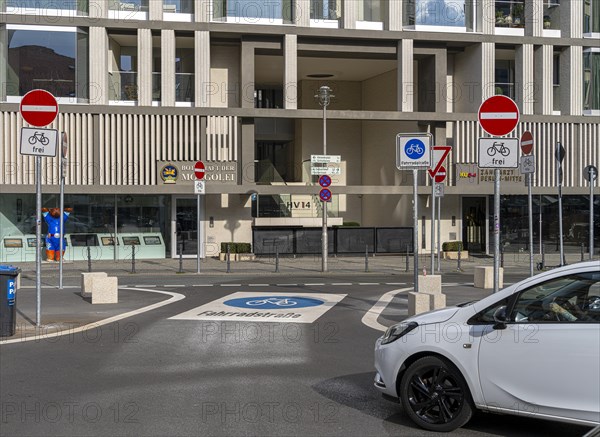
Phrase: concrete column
(144, 67)
(203, 11)
(544, 80)
(571, 22)
(406, 85)
(486, 16)
(98, 9)
(488, 76)
(167, 64)
(441, 78)
(534, 17)
(524, 85)
(3, 55)
(571, 81)
(247, 75)
(155, 10)
(350, 13)
(2, 5)
(98, 67)
(202, 68)
(302, 13)
(290, 81)
(395, 15)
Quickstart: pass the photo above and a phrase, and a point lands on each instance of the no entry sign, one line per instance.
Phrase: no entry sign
(39, 108)
(526, 142)
(440, 176)
(498, 115)
(199, 170)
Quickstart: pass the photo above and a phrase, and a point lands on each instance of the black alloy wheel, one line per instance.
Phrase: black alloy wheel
(435, 395)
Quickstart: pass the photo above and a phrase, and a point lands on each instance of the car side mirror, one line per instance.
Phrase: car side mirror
(500, 317)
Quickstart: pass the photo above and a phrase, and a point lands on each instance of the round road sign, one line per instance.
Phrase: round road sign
(199, 170)
(39, 108)
(440, 176)
(590, 173)
(325, 181)
(325, 195)
(526, 142)
(498, 115)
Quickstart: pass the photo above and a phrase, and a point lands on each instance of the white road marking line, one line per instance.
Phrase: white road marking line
(173, 285)
(314, 284)
(342, 283)
(230, 285)
(174, 298)
(43, 286)
(395, 283)
(141, 286)
(259, 285)
(370, 318)
(202, 285)
(368, 283)
(286, 285)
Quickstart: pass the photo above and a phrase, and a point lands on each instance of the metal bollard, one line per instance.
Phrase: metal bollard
(89, 257)
(276, 259)
(407, 264)
(228, 260)
(458, 260)
(180, 257)
(582, 249)
(366, 257)
(133, 258)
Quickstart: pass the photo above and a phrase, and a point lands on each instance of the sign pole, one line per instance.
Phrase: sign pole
(439, 233)
(592, 176)
(324, 240)
(530, 207)
(198, 232)
(560, 218)
(62, 211)
(415, 231)
(496, 229)
(433, 226)
(38, 239)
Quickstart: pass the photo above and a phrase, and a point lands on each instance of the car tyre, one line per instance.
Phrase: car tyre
(435, 395)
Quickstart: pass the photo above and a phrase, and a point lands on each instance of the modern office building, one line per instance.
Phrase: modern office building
(148, 87)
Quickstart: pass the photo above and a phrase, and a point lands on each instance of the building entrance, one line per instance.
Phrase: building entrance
(185, 238)
(473, 221)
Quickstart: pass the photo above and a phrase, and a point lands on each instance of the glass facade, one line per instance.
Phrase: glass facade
(591, 16)
(371, 10)
(505, 78)
(123, 78)
(54, 60)
(128, 5)
(446, 13)
(178, 6)
(325, 9)
(510, 13)
(591, 80)
(254, 10)
(73, 5)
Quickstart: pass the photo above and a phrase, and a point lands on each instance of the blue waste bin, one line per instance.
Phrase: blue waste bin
(8, 300)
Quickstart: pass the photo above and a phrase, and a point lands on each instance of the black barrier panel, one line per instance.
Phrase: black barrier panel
(84, 240)
(354, 240)
(265, 240)
(394, 240)
(308, 240)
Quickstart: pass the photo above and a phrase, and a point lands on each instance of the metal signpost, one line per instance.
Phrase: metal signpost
(62, 171)
(199, 190)
(498, 116)
(413, 151)
(438, 189)
(559, 154)
(320, 165)
(591, 173)
(439, 154)
(528, 168)
(39, 108)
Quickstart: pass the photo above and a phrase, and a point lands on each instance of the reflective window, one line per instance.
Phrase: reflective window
(591, 80)
(266, 10)
(435, 13)
(54, 60)
(179, 6)
(81, 5)
(510, 13)
(129, 5)
(325, 9)
(371, 10)
(591, 16)
(505, 78)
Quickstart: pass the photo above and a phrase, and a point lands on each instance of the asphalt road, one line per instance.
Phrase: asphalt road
(151, 375)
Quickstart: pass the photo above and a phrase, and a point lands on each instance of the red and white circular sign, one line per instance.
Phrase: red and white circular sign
(498, 115)
(526, 142)
(199, 170)
(440, 176)
(39, 108)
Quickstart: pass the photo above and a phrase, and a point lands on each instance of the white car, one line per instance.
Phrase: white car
(532, 349)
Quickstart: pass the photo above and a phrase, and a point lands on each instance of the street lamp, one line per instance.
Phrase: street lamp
(324, 97)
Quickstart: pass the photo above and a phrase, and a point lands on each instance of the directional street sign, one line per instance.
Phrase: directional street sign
(526, 142)
(498, 153)
(413, 151)
(39, 142)
(439, 156)
(333, 171)
(325, 181)
(199, 187)
(498, 115)
(39, 108)
(527, 164)
(199, 170)
(325, 195)
(325, 159)
(590, 173)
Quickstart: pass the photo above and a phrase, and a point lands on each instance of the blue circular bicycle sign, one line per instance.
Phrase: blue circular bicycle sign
(414, 148)
(273, 302)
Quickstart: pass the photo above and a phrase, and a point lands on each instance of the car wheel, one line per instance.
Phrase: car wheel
(435, 395)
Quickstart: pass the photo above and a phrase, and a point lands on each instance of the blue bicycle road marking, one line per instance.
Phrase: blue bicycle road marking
(414, 148)
(274, 302)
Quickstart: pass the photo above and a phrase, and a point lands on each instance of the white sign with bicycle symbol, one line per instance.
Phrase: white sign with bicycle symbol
(39, 142)
(498, 153)
(265, 307)
(413, 151)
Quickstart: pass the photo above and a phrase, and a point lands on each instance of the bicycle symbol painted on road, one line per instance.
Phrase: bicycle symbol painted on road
(498, 147)
(414, 148)
(39, 137)
(274, 302)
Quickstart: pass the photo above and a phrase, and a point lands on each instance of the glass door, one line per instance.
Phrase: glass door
(185, 224)
(474, 224)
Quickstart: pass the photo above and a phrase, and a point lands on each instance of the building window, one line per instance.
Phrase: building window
(591, 16)
(184, 75)
(178, 6)
(253, 11)
(556, 83)
(129, 5)
(371, 10)
(510, 13)
(551, 14)
(505, 78)
(325, 9)
(123, 75)
(447, 13)
(49, 58)
(591, 80)
(22, 6)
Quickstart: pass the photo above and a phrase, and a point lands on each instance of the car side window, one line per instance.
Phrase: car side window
(569, 299)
